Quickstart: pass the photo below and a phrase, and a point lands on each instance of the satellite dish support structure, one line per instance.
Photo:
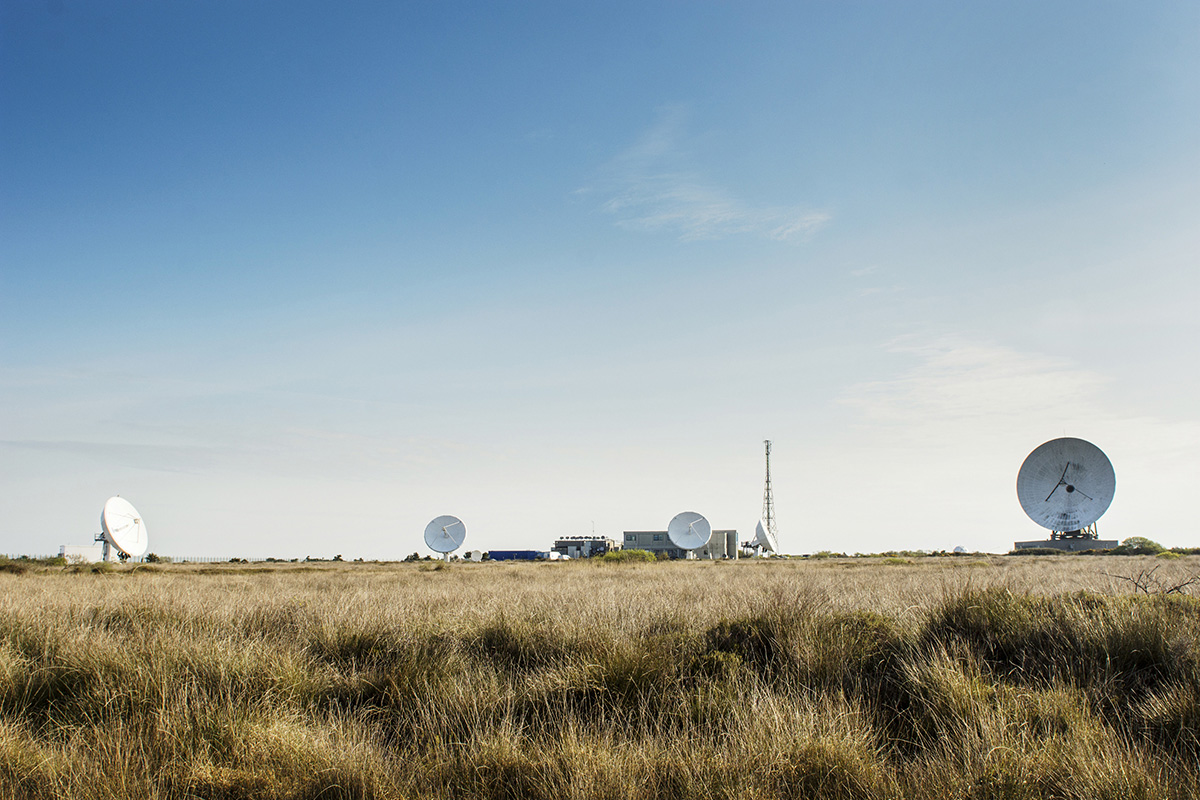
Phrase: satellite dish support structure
(104, 545)
(1089, 532)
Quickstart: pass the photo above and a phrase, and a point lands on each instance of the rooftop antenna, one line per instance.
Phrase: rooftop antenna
(122, 527)
(1066, 485)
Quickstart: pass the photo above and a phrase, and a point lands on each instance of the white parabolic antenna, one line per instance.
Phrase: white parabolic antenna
(764, 538)
(445, 534)
(689, 531)
(1066, 484)
(123, 528)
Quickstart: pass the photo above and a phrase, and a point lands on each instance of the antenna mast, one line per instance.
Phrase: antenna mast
(768, 513)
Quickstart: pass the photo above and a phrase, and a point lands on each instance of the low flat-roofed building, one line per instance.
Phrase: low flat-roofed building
(721, 544)
(83, 553)
(584, 546)
(1068, 544)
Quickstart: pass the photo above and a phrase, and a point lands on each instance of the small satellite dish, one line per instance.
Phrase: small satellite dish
(445, 534)
(1066, 484)
(689, 531)
(764, 539)
(123, 528)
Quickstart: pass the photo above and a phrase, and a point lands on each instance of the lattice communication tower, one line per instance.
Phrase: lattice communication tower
(768, 512)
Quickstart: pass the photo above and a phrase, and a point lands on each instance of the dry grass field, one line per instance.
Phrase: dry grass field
(993, 677)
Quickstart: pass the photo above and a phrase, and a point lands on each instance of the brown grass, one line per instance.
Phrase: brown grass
(840, 678)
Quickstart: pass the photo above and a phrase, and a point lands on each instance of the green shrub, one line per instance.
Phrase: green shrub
(1137, 546)
(24, 563)
(627, 557)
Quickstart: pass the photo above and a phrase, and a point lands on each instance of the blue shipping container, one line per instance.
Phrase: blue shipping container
(515, 555)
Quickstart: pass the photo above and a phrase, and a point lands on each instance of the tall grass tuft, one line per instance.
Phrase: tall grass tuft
(818, 679)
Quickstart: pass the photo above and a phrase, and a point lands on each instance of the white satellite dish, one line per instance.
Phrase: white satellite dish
(123, 528)
(764, 539)
(445, 534)
(1066, 484)
(689, 531)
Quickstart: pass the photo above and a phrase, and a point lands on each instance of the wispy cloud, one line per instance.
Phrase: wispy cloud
(874, 290)
(961, 391)
(957, 379)
(953, 428)
(867, 279)
(153, 457)
(649, 187)
(280, 451)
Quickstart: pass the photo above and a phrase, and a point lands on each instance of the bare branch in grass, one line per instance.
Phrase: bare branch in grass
(1146, 581)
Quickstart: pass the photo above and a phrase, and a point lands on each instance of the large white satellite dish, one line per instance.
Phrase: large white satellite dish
(689, 531)
(1066, 484)
(445, 534)
(123, 527)
(764, 538)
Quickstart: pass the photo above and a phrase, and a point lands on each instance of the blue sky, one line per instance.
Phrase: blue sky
(297, 277)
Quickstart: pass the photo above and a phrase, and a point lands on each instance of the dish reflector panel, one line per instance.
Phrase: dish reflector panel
(1066, 484)
(689, 531)
(445, 534)
(764, 538)
(123, 527)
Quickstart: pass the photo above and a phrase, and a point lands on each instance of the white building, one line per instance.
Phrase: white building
(85, 553)
(583, 546)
